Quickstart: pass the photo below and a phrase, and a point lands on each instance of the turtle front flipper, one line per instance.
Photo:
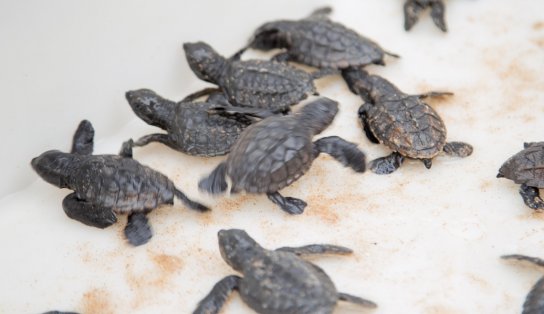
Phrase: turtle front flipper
(531, 197)
(126, 149)
(138, 231)
(357, 300)
(387, 164)
(343, 151)
(534, 302)
(317, 249)
(156, 137)
(458, 149)
(215, 300)
(291, 205)
(438, 10)
(88, 213)
(201, 93)
(432, 94)
(83, 141)
(189, 202)
(363, 115)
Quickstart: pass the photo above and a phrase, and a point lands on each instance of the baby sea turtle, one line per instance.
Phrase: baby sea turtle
(527, 168)
(402, 122)
(534, 303)
(252, 83)
(317, 41)
(104, 185)
(275, 281)
(190, 128)
(276, 151)
(413, 8)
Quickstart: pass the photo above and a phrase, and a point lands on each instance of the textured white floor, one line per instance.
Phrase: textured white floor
(425, 241)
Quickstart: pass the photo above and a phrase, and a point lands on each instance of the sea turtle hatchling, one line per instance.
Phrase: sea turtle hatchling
(276, 151)
(251, 83)
(413, 8)
(189, 126)
(317, 41)
(402, 122)
(276, 281)
(527, 168)
(104, 185)
(534, 302)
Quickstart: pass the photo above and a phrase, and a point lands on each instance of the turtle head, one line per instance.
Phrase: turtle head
(318, 114)
(205, 62)
(369, 87)
(237, 247)
(270, 36)
(150, 107)
(53, 166)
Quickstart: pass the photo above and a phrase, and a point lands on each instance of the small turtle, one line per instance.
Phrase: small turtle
(317, 41)
(534, 302)
(402, 122)
(276, 151)
(252, 83)
(527, 168)
(189, 126)
(107, 184)
(276, 281)
(413, 8)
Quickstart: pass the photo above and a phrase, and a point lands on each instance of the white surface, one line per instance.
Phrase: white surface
(424, 241)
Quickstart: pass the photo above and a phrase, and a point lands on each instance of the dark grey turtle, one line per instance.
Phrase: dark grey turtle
(276, 281)
(413, 8)
(534, 303)
(104, 185)
(402, 122)
(275, 152)
(317, 41)
(252, 83)
(189, 126)
(527, 168)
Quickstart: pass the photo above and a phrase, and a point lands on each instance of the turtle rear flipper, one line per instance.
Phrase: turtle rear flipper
(387, 164)
(458, 149)
(216, 182)
(345, 152)
(83, 141)
(290, 205)
(412, 9)
(215, 300)
(531, 197)
(138, 231)
(357, 300)
(438, 10)
(88, 213)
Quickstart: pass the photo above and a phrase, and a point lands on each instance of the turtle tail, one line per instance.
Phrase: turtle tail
(190, 203)
(216, 182)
